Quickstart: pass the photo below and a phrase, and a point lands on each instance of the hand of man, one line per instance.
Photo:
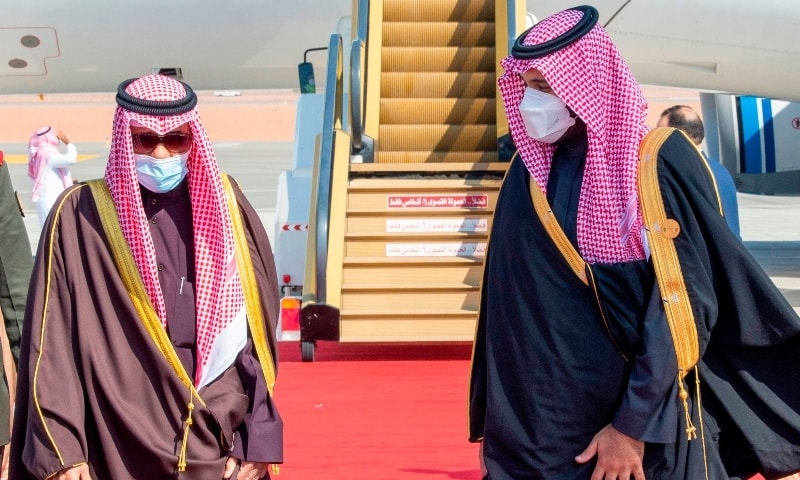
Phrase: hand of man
(618, 456)
(80, 472)
(62, 137)
(247, 470)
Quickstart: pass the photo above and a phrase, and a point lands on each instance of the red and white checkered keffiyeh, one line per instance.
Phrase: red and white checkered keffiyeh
(591, 77)
(219, 296)
(41, 146)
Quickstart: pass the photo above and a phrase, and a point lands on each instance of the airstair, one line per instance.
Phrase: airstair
(408, 173)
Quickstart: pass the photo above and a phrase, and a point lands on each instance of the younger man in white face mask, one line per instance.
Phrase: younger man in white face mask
(596, 316)
(546, 117)
(149, 348)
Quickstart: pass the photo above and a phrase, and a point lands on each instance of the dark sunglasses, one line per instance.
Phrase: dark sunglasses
(174, 141)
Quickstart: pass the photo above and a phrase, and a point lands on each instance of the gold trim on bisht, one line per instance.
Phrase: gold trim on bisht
(247, 275)
(556, 233)
(129, 273)
(141, 300)
(661, 232)
(569, 253)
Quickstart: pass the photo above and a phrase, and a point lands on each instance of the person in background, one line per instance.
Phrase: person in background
(48, 168)
(148, 349)
(16, 264)
(684, 118)
(623, 330)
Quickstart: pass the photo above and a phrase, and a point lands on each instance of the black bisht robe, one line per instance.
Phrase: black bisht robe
(549, 372)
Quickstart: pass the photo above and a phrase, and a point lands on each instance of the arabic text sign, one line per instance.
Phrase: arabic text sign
(440, 225)
(436, 249)
(438, 201)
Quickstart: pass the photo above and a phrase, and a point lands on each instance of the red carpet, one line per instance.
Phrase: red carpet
(376, 412)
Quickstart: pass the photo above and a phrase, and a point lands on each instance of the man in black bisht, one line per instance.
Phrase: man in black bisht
(624, 330)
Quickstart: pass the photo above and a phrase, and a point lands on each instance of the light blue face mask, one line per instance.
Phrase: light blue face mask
(160, 175)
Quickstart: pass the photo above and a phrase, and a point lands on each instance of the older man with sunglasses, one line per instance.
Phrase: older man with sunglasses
(149, 349)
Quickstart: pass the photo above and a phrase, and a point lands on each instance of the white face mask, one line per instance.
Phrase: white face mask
(545, 116)
(160, 175)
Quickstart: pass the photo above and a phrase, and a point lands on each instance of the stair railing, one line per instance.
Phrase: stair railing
(358, 68)
(332, 120)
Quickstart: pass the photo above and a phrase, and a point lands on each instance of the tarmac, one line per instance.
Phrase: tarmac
(253, 133)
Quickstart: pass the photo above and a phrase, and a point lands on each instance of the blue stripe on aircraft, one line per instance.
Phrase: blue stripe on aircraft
(748, 115)
(769, 135)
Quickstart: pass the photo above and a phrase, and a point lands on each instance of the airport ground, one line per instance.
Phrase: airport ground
(357, 412)
(253, 131)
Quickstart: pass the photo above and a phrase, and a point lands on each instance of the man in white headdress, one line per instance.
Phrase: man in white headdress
(48, 168)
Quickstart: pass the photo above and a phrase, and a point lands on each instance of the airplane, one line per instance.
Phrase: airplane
(88, 46)
(747, 48)
(744, 48)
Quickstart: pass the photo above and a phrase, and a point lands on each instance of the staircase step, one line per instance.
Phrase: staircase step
(438, 84)
(431, 327)
(421, 184)
(392, 288)
(439, 161)
(415, 303)
(396, 111)
(437, 59)
(401, 201)
(437, 11)
(427, 34)
(434, 273)
(442, 138)
(418, 249)
(416, 225)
